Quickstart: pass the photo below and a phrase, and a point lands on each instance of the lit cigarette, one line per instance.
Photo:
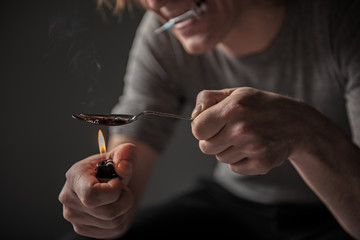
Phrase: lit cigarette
(104, 169)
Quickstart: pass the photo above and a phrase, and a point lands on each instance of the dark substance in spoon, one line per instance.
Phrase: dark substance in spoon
(121, 119)
(104, 119)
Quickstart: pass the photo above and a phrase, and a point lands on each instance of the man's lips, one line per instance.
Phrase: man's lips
(169, 16)
(184, 23)
(188, 17)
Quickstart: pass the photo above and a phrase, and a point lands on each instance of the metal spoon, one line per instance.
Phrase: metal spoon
(122, 119)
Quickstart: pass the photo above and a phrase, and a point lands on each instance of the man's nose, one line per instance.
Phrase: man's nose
(155, 4)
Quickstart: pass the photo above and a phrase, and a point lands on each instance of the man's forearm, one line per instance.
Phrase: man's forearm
(332, 170)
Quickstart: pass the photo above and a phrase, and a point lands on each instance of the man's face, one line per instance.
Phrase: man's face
(198, 35)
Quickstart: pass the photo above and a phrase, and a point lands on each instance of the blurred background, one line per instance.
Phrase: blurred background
(59, 58)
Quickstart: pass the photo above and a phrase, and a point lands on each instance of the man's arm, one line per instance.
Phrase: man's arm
(254, 131)
(331, 168)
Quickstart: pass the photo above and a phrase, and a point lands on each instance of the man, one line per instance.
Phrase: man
(280, 113)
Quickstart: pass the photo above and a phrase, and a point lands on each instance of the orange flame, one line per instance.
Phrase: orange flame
(101, 141)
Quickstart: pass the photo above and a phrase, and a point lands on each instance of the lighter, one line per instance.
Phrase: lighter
(105, 169)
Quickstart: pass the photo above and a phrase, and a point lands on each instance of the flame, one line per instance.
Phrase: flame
(101, 141)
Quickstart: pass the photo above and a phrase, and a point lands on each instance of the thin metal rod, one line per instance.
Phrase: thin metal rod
(169, 115)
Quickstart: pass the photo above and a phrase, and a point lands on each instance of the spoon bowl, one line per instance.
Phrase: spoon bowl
(121, 119)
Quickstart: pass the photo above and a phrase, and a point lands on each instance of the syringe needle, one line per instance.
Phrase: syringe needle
(169, 24)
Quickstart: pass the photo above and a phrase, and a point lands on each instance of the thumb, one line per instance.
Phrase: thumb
(124, 157)
(208, 98)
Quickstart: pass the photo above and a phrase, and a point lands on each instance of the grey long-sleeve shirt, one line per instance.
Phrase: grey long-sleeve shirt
(315, 57)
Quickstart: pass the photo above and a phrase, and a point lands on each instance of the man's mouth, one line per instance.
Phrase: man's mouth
(196, 11)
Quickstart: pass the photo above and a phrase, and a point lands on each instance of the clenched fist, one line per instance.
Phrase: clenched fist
(252, 131)
(99, 209)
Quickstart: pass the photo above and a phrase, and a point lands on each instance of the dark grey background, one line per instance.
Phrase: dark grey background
(59, 58)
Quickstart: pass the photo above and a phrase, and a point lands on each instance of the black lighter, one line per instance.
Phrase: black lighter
(105, 170)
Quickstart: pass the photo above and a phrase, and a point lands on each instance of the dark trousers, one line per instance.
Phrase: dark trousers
(211, 211)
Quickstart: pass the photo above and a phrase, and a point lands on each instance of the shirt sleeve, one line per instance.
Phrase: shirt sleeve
(346, 35)
(151, 83)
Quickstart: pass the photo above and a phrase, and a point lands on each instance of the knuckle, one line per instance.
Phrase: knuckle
(63, 198)
(245, 92)
(220, 157)
(112, 212)
(87, 202)
(204, 146)
(239, 166)
(236, 168)
(231, 109)
(246, 89)
(241, 129)
(89, 198)
(79, 229)
(108, 213)
(225, 156)
(204, 94)
(253, 166)
(98, 233)
(116, 222)
(247, 95)
(255, 148)
(68, 214)
(66, 198)
(197, 129)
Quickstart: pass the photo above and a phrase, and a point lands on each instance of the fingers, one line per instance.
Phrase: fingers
(231, 155)
(82, 218)
(220, 142)
(251, 166)
(232, 144)
(214, 119)
(101, 233)
(103, 212)
(98, 209)
(112, 211)
(93, 193)
(81, 179)
(238, 127)
(103, 221)
(208, 98)
(124, 157)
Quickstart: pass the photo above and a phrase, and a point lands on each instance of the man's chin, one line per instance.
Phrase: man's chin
(193, 47)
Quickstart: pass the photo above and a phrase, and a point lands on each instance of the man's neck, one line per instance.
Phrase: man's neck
(256, 29)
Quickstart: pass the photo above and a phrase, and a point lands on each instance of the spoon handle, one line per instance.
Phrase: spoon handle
(169, 115)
